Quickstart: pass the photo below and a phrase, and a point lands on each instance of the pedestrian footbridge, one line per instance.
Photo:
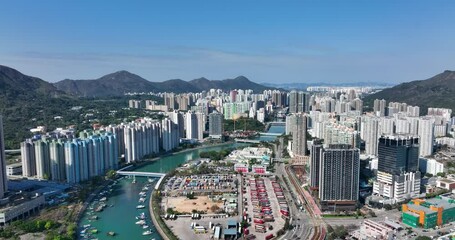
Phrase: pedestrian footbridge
(140, 174)
(270, 134)
(241, 140)
(143, 174)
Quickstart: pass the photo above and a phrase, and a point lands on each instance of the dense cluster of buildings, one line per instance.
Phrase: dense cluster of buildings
(394, 138)
(67, 158)
(72, 160)
(234, 104)
(93, 153)
(328, 129)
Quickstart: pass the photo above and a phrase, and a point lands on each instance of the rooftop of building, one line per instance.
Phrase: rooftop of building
(412, 214)
(37, 187)
(420, 208)
(446, 180)
(399, 136)
(441, 203)
(231, 222)
(14, 165)
(392, 224)
(16, 199)
(230, 231)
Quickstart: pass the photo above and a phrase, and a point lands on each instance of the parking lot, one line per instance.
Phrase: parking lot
(180, 186)
(182, 226)
(262, 207)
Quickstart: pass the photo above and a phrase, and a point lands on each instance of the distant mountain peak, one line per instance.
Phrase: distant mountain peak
(119, 82)
(121, 74)
(241, 77)
(16, 83)
(200, 79)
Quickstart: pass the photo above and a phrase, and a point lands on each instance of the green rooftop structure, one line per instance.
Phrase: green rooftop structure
(428, 213)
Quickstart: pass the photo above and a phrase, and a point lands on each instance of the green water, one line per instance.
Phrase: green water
(272, 129)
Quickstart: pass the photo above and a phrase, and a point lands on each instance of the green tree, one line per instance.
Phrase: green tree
(71, 230)
(428, 175)
(441, 174)
(111, 174)
(190, 195)
(48, 225)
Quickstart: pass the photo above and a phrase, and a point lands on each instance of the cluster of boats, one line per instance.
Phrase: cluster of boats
(143, 223)
(89, 231)
(143, 195)
(142, 218)
(97, 205)
(101, 202)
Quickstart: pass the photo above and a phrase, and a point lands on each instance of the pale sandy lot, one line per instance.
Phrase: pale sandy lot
(183, 204)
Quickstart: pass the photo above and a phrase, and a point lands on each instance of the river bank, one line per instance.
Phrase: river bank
(117, 218)
(144, 162)
(127, 193)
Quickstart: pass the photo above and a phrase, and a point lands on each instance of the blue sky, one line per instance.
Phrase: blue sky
(266, 41)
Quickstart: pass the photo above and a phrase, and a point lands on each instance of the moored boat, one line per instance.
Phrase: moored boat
(148, 232)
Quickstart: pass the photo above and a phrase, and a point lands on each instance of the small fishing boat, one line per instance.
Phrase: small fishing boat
(140, 222)
(148, 232)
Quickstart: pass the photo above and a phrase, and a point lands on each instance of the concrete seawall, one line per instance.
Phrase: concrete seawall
(154, 220)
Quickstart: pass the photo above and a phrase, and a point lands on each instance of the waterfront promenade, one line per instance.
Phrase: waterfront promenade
(153, 217)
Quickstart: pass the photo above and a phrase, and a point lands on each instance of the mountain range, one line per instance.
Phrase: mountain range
(121, 82)
(437, 91)
(27, 101)
(304, 85)
(14, 84)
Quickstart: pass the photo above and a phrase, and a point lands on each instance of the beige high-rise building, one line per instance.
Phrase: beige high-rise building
(296, 124)
(370, 132)
(426, 134)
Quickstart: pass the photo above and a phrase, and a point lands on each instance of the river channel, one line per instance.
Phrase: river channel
(120, 214)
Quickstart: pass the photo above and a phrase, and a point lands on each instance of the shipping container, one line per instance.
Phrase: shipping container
(256, 220)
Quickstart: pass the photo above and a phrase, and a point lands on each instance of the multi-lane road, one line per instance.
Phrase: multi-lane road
(306, 224)
(300, 220)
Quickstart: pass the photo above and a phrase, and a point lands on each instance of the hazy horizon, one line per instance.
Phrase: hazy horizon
(266, 41)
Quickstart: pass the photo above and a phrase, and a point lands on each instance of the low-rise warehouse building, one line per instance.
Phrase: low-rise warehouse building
(20, 209)
(428, 213)
(445, 183)
(373, 230)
